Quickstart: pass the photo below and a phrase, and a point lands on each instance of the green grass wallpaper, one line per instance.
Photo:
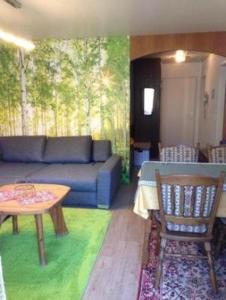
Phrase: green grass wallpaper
(68, 87)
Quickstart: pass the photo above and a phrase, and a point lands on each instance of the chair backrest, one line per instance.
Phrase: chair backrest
(188, 203)
(217, 154)
(178, 153)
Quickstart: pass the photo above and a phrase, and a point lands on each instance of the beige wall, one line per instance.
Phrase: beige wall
(212, 100)
(210, 78)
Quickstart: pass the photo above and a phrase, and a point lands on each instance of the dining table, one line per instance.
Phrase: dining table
(146, 199)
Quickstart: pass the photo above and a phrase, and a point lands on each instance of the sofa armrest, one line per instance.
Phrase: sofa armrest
(108, 181)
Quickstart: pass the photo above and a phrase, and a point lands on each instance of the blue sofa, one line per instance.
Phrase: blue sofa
(86, 165)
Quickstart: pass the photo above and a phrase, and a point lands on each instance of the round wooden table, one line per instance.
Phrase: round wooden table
(15, 207)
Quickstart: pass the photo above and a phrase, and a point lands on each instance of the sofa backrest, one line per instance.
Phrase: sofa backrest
(22, 148)
(74, 149)
(68, 149)
(101, 150)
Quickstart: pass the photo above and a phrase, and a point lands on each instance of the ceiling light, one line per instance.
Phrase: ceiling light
(180, 56)
(10, 38)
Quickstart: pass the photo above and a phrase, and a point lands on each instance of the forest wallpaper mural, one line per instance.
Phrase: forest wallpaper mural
(68, 87)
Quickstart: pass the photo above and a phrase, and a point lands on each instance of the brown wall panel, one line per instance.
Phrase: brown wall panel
(211, 42)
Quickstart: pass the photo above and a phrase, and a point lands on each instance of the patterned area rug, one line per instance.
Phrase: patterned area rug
(2, 286)
(182, 278)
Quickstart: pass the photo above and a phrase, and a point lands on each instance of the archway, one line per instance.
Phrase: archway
(203, 89)
(210, 42)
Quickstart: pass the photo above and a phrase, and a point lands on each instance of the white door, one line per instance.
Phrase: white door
(177, 116)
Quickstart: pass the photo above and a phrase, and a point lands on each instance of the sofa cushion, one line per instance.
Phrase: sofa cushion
(16, 171)
(22, 148)
(80, 177)
(68, 149)
(101, 150)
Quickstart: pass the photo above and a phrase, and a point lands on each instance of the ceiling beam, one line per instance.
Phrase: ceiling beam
(13, 3)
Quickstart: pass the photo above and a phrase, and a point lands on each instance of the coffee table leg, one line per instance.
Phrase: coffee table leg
(58, 220)
(15, 225)
(40, 239)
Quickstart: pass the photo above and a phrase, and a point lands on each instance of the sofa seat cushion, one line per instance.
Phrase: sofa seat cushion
(80, 177)
(68, 149)
(22, 148)
(13, 171)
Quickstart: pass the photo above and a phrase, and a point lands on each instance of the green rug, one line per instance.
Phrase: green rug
(70, 258)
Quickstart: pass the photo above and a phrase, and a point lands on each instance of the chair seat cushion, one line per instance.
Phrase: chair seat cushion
(218, 154)
(182, 228)
(80, 177)
(186, 228)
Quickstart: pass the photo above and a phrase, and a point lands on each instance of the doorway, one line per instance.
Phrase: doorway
(145, 125)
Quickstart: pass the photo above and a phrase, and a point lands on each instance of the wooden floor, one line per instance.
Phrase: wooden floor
(117, 270)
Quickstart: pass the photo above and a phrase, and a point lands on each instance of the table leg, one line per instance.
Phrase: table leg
(58, 220)
(15, 224)
(2, 218)
(40, 239)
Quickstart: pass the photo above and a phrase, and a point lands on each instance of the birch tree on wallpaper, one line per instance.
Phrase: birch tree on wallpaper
(67, 87)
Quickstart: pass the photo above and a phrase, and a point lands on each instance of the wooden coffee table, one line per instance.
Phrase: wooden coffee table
(53, 207)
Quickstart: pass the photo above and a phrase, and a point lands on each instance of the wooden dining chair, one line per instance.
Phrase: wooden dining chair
(188, 206)
(216, 154)
(178, 153)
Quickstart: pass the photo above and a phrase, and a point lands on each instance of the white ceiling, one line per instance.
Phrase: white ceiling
(79, 18)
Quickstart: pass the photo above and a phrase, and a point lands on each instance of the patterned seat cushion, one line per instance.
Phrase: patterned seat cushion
(171, 199)
(218, 154)
(179, 153)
